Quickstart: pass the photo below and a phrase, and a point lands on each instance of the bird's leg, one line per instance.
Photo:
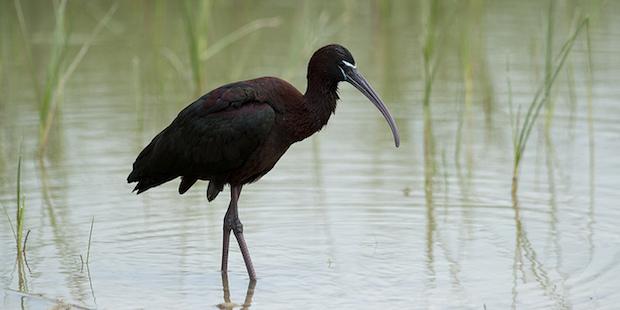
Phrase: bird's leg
(232, 223)
(225, 245)
(229, 220)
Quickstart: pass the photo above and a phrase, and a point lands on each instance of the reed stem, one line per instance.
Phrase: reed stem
(553, 66)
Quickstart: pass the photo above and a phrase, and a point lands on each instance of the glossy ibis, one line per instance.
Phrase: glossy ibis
(236, 133)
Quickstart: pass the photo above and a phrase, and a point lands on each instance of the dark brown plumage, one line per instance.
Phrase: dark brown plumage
(235, 134)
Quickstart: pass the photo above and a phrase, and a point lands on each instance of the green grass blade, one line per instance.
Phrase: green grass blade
(8, 217)
(196, 30)
(560, 59)
(513, 119)
(58, 82)
(544, 91)
(90, 236)
(589, 82)
(27, 47)
(238, 34)
(20, 204)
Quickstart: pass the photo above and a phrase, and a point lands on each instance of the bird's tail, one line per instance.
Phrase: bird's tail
(144, 183)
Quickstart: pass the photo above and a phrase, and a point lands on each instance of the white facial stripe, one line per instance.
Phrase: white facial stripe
(348, 64)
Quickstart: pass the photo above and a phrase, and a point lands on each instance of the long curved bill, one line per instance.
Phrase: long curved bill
(356, 79)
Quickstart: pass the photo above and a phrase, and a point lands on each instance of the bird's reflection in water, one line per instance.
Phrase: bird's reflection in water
(229, 305)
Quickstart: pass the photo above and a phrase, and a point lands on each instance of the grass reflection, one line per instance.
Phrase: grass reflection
(527, 264)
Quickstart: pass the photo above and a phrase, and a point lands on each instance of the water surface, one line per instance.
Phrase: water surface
(345, 220)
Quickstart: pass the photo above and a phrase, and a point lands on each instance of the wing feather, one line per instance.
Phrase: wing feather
(210, 137)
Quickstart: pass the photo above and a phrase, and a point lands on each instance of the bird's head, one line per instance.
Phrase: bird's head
(334, 63)
(331, 63)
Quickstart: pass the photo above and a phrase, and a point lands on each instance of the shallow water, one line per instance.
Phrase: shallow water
(345, 219)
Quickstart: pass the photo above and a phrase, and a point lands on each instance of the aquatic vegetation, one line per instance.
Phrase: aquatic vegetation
(56, 76)
(196, 29)
(430, 61)
(18, 229)
(590, 111)
(553, 66)
(458, 147)
(196, 25)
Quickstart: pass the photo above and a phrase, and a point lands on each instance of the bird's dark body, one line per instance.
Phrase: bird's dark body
(233, 135)
(236, 133)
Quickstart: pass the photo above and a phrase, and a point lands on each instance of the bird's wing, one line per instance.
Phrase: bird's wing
(211, 136)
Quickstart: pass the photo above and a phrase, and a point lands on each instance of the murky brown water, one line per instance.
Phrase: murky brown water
(344, 220)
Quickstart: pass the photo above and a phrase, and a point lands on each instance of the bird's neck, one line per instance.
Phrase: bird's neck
(320, 102)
